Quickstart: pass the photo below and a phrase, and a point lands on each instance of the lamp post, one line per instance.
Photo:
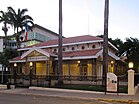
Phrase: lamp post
(31, 65)
(15, 65)
(131, 90)
(130, 65)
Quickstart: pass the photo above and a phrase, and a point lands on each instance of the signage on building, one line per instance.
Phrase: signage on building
(111, 82)
(1, 45)
(37, 58)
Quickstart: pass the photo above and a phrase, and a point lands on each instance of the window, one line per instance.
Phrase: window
(72, 48)
(63, 49)
(83, 47)
(55, 50)
(93, 46)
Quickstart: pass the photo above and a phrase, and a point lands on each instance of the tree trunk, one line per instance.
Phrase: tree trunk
(60, 80)
(5, 29)
(105, 44)
(18, 39)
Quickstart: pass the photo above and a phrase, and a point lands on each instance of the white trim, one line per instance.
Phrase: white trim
(35, 49)
(113, 46)
(17, 61)
(113, 56)
(80, 57)
(99, 53)
(26, 53)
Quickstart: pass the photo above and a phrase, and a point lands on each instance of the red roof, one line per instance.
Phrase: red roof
(81, 53)
(69, 40)
(70, 54)
(16, 58)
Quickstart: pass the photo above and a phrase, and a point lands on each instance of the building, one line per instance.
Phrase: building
(82, 56)
(37, 35)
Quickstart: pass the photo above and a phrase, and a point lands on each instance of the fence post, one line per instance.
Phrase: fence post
(131, 90)
(49, 81)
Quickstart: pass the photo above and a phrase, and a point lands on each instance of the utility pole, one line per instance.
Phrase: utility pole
(60, 81)
(105, 44)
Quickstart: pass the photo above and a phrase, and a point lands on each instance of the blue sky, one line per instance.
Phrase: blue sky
(81, 17)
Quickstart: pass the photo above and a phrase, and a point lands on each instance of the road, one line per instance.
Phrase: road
(30, 99)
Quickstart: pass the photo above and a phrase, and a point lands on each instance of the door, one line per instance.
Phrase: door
(83, 72)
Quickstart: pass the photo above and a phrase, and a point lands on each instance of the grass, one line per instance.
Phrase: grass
(123, 89)
(83, 87)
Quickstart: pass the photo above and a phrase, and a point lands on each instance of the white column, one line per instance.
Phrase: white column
(131, 90)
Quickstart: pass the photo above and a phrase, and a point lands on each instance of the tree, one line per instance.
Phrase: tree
(4, 60)
(119, 44)
(7, 55)
(60, 81)
(19, 20)
(4, 18)
(131, 50)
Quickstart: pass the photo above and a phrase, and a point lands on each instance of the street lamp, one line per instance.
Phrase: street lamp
(31, 64)
(15, 65)
(130, 65)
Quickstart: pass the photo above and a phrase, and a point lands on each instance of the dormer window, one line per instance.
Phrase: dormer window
(63, 49)
(55, 50)
(83, 47)
(72, 48)
(93, 46)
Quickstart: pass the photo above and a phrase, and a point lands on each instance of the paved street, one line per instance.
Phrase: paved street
(38, 95)
(31, 99)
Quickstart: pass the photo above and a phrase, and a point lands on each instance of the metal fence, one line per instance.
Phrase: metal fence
(122, 83)
(136, 79)
(91, 83)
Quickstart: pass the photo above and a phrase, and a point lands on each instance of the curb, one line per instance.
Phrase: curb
(120, 101)
(64, 90)
(69, 90)
(84, 98)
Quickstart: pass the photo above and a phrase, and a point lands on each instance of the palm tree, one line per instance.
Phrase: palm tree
(105, 47)
(131, 50)
(5, 20)
(19, 20)
(60, 80)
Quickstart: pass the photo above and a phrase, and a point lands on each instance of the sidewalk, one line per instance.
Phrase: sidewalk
(38, 91)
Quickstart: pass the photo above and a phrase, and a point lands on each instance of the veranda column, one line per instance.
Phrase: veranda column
(69, 68)
(94, 69)
(47, 70)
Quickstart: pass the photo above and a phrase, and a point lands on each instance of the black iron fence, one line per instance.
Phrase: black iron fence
(91, 83)
(122, 83)
(136, 79)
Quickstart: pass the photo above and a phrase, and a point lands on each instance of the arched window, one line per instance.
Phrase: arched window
(93, 46)
(72, 48)
(83, 47)
(63, 49)
(55, 50)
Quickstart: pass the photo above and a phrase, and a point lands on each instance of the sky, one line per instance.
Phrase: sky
(81, 17)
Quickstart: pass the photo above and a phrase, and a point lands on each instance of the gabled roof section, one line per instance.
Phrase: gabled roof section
(67, 41)
(35, 49)
(113, 56)
(83, 54)
(71, 40)
(38, 26)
